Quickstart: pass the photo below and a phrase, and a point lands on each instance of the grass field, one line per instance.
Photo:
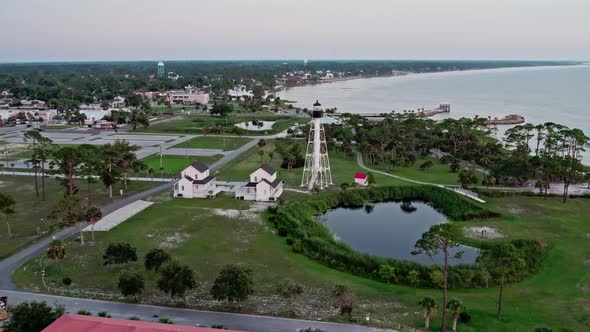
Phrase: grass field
(557, 297)
(196, 124)
(438, 173)
(22, 152)
(209, 142)
(343, 168)
(29, 210)
(174, 164)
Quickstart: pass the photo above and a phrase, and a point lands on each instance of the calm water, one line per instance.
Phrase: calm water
(541, 94)
(385, 230)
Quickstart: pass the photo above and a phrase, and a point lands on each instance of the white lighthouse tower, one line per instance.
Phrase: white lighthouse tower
(317, 164)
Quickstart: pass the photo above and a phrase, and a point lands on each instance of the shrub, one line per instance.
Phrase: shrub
(67, 281)
(464, 317)
(104, 314)
(155, 258)
(290, 241)
(119, 253)
(283, 231)
(166, 321)
(31, 316)
(134, 318)
(84, 312)
(217, 326)
(176, 278)
(130, 284)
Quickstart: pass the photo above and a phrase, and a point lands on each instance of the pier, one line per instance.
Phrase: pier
(442, 108)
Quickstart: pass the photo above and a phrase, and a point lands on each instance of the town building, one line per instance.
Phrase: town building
(83, 323)
(195, 182)
(361, 179)
(262, 187)
(188, 97)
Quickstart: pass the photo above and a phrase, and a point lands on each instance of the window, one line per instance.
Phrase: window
(182, 188)
(255, 179)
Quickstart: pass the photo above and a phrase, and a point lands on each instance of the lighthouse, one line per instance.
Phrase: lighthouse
(316, 172)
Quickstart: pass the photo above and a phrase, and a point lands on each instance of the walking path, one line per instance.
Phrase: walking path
(116, 217)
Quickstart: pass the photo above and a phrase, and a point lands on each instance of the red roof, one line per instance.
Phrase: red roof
(80, 323)
(360, 176)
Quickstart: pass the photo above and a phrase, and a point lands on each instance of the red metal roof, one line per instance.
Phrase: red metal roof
(360, 176)
(80, 323)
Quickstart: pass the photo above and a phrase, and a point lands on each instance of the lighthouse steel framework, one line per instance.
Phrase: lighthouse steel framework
(317, 164)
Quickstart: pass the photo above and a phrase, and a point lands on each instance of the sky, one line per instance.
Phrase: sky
(110, 30)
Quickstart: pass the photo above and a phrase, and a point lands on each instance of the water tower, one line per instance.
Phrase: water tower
(317, 164)
(161, 69)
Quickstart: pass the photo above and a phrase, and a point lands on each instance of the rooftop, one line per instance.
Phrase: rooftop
(80, 323)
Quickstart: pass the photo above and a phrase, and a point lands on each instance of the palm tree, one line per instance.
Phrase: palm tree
(261, 153)
(12, 165)
(6, 208)
(456, 307)
(56, 252)
(429, 306)
(540, 184)
(151, 173)
(93, 215)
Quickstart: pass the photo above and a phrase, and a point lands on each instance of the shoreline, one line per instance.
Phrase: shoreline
(434, 73)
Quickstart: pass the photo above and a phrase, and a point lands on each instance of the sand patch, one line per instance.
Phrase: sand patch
(173, 240)
(252, 214)
(482, 232)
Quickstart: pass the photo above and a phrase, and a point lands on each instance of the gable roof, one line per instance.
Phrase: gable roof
(267, 169)
(273, 184)
(80, 323)
(199, 166)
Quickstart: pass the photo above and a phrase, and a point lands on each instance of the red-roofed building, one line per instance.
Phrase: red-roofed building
(80, 323)
(361, 179)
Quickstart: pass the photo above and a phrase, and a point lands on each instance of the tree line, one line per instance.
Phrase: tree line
(545, 153)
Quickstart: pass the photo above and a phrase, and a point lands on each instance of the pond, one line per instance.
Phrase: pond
(256, 125)
(389, 229)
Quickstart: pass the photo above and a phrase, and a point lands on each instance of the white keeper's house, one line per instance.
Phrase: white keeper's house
(195, 182)
(262, 187)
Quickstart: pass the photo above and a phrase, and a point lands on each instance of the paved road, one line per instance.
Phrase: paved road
(184, 316)
(10, 264)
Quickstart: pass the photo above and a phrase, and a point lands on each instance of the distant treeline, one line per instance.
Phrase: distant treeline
(98, 81)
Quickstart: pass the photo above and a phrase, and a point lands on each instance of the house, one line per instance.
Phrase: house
(82, 323)
(195, 182)
(361, 179)
(188, 97)
(262, 187)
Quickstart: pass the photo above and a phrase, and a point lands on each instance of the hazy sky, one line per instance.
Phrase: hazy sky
(60, 30)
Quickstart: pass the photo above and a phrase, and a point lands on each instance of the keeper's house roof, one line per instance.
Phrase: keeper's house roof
(268, 169)
(199, 166)
(80, 323)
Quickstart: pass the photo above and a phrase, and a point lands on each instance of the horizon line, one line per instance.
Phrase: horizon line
(283, 60)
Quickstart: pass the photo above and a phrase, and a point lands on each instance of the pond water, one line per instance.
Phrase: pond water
(389, 229)
(258, 126)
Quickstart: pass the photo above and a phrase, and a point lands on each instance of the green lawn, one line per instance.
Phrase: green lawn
(197, 124)
(438, 173)
(23, 152)
(174, 164)
(29, 210)
(209, 142)
(343, 168)
(193, 232)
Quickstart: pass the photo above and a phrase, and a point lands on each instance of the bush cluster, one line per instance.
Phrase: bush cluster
(295, 220)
